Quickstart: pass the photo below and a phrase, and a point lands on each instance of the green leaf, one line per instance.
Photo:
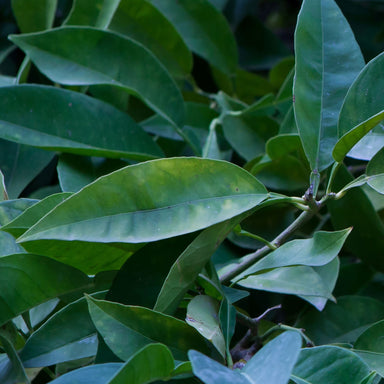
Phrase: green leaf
(358, 134)
(75, 172)
(203, 315)
(90, 63)
(317, 251)
(248, 133)
(139, 280)
(96, 13)
(329, 364)
(95, 374)
(20, 164)
(227, 317)
(362, 110)
(36, 18)
(343, 322)
(152, 362)
(68, 335)
(10, 209)
(33, 214)
(133, 205)
(272, 364)
(96, 129)
(29, 280)
(299, 280)
(126, 329)
(204, 30)
(328, 60)
(189, 264)
(328, 274)
(375, 170)
(143, 22)
(3, 189)
(15, 372)
(366, 241)
(370, 347)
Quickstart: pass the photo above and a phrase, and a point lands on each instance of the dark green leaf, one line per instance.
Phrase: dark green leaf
(14, 372)
(204, 29)
(96, 13)
(33, 214)
(29, 280)
(96, 127)
(190, 263)
(375, 170)
(36, 18)
(90, 63)
(328, 60)
(343, 322)
(362, 110)
(329, 364)
(152, 362)
(68, 335)
(142, 21)
(366, 240)
(126, 329)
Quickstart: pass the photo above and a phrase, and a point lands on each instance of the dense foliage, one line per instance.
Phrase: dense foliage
(183, 199)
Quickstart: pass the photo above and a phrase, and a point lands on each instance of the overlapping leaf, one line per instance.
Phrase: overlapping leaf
(133, 205)
(96, 128)
(328, 60)
(83, 56)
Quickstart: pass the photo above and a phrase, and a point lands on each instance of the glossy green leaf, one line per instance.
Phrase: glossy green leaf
(227, 317)
(33, 214)
(90, 63)
(96, 128)
(328, 60)
(329, 364)
(342, 322)
(248, 133)
(20, 164)
(375, 170)
(370, 347)
(317, 251)
(189, 264)
(140, 279)
(96, 13)
(133, 205)
(204, 30)
(328, 274)
(362, 110)
(272, 364)
(359, 135)
(29, 280)
(126, 329)
(10, 209)
(298, 280)
(152, 362)
(96, 374)
(366, 240)
(14, 372)
(36, 18)
(203, 315)
(68, 335)
(142, 21)
(75, 172)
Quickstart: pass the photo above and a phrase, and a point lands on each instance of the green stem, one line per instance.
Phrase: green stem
(253, 257)
(334, 170)
(256, 237)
